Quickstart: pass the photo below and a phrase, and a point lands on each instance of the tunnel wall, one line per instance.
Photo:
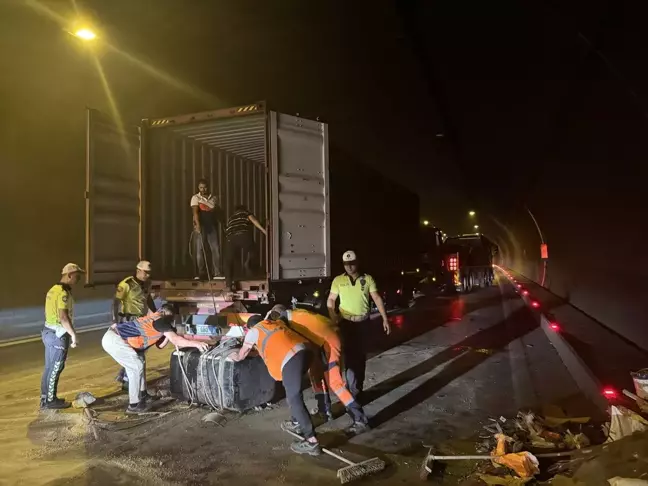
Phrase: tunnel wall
(590, 203)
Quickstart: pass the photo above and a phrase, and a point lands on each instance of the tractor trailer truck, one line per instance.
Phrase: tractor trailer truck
(314, 200)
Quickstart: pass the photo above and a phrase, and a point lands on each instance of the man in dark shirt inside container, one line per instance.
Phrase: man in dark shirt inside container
(240, 242)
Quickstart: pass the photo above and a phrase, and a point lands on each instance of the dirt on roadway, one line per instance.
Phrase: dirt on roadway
(450, 364)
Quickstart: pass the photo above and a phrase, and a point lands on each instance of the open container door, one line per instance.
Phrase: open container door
(112, 196)
(300, 205)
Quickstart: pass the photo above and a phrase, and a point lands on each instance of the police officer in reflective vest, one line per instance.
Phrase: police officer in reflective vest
(132, 300)
(325, 374)
(58, 334)
(354, 288)
(125, 341)
(287, 357)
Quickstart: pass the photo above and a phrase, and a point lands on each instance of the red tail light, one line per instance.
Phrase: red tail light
(554, 327)
(525, 292)
(453, 263)
(610, 393)
(535, 304)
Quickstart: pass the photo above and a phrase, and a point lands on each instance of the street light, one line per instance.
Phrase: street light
(476, 226)
(426, 222)
(85, 34)
(471, 213)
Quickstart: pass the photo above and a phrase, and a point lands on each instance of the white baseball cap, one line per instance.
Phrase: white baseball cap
(144, 265)
(349, 257)
(71, 268)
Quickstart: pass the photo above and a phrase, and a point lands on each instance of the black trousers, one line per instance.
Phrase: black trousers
(239, 248)
(291, 375)
(354, 354)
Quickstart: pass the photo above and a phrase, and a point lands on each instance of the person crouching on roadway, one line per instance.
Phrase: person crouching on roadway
(354, 289)
(124, 341)
(133, 299)
(287, 357)
(320, 330)
(58, 335)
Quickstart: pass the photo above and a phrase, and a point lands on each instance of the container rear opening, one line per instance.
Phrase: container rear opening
(230, 153)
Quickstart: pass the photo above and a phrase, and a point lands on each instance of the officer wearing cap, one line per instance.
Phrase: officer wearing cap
(354, 288)
(133, 297)
(132, 300)
(58, 334)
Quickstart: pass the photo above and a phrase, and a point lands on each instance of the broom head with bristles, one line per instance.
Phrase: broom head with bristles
(360, 470)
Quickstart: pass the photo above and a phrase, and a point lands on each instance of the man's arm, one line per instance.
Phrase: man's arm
(64, 317)
(330, 303)
(150, 303)
(115, 310)
(195, 210)
(242, 353)
(162, 343)
(256, 223)
(186, 343)
(381, 308)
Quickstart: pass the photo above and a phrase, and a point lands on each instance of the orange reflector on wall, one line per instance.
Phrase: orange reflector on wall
(544, 251)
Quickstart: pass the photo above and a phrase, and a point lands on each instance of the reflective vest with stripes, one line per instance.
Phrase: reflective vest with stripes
(276, 344)
(140, 333)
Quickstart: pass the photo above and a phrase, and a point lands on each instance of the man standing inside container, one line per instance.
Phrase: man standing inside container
(354, 288)
(240, 242)
(133, 299)
(58, 335)
(205, 213)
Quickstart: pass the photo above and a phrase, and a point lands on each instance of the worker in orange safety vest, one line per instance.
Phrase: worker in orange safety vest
(287, 356)
(326, 373)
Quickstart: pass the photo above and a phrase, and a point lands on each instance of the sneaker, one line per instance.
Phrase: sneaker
(322, 418)
(358, 428)
(147, 397)
(141, 407)
(56, 404)
(306, 447)
(290, 426)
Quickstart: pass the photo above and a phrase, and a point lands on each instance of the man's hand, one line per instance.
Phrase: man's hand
(386, 326)
(196, 228)
(202, 347)
(74, 342)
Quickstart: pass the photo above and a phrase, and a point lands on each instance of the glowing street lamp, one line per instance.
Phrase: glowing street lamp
(476, 226)
(471, 213)
(426, 222)
(85, 34)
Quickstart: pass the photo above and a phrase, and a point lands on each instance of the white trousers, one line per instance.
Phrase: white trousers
(133, 363)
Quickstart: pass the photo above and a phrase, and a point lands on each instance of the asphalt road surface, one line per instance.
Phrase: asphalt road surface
(450, 364)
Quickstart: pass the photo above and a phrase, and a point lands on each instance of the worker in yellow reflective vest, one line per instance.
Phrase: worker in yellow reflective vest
(132, 300)
(58, 335)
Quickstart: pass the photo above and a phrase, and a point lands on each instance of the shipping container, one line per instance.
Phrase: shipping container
(140, 182)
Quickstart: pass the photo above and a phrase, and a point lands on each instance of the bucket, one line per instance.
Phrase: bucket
(640, 379)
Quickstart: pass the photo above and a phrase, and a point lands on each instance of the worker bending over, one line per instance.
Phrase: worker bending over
(320, 330)
(124, 341)
(133, 299)
(287, 357)
(354, 288)
(58, 335)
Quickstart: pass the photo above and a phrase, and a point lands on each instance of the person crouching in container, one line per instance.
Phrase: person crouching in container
(125, 342)
(287, 356)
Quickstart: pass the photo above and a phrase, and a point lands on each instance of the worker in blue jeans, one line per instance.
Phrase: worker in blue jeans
(58, 335)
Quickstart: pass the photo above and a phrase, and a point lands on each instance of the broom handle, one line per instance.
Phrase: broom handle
(548, 454)
(326, 451)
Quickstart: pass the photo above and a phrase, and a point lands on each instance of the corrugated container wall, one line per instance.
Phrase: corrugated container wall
(230, 154)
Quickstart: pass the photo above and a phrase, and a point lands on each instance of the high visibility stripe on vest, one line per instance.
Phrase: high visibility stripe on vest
(286, 344)
(140, 333)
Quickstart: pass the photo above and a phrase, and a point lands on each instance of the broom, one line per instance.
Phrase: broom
(354, 470)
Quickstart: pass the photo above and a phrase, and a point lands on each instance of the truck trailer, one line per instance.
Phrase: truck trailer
(468, 262)
(314, 205)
